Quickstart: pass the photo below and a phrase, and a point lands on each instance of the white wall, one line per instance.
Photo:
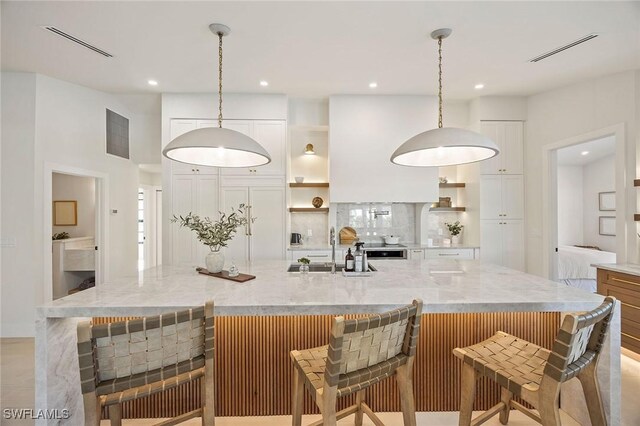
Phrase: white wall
(19, 276)
(568, 112)
(151, 179)
(365, 131)
(598, 176)
(83, 191)
(61, 123)
(144, 126)
(570, 206)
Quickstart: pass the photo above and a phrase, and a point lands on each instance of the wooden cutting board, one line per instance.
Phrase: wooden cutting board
(225, 275)
(348, 235)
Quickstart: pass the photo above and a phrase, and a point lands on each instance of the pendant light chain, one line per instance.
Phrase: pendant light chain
(220, 80)
(440, 82)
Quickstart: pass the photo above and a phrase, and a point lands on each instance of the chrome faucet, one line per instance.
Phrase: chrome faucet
(332, 241)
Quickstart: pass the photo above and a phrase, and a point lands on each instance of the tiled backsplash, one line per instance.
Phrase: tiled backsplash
(436, 228)
(318, 223)
(372, 221)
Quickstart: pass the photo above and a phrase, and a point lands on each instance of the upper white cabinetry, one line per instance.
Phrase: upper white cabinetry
(508, 135)
(180, 127)
(271, 134)
(365, 131)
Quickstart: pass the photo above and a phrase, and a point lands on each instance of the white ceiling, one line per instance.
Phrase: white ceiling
(314, 49)
(597, 149)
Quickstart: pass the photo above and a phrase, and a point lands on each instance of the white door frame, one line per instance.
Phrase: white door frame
(550, 194)
(151, 207)
(102, 222)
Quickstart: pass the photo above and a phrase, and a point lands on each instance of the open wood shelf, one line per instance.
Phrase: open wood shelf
(309, 185)
(448, 209)
(308, 210)
(636, 182)
(453, 185)
(636, 217)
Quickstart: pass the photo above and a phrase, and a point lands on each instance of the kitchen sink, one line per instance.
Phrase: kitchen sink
(321, 267)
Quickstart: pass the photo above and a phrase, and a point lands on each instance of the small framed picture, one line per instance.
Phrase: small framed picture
(607, 225)
(65, 213)
(607, 201)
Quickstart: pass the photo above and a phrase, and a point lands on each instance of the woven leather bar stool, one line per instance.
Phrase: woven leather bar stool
(361, 352)
(534, 373)
(126, 360)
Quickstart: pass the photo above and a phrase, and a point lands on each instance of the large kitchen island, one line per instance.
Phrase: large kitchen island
(258, 322)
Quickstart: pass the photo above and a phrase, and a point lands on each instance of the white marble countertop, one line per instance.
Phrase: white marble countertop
(408, 246)
(443, 285)
(625, 268)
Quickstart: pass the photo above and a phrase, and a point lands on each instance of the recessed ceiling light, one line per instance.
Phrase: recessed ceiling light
(152, 83)
(373, 85)
(584, 153)
(479, 86)
(264, 83)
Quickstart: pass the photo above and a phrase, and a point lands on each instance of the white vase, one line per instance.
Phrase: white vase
(214, 261)
(455, 240)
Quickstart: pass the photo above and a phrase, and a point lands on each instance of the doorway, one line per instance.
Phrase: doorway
(586, 211)
(73, 201)
(584, 205)
(73, 238)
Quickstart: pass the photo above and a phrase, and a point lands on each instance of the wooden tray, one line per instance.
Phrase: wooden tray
(225, 275)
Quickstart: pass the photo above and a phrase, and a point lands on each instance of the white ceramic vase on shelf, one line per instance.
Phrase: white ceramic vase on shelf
(455, 239)
(214, 261)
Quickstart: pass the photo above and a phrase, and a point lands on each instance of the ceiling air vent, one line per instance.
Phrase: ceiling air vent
(565, 47)
(78, 41)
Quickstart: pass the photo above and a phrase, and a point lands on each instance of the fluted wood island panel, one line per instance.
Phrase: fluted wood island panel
(254, 370)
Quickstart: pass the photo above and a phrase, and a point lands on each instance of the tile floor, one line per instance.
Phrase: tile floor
(17, 390)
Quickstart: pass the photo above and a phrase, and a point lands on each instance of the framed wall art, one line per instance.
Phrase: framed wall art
(65, 213)
(607, 225)
(607, 201)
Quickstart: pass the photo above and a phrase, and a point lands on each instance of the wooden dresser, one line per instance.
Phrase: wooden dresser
(626, 288)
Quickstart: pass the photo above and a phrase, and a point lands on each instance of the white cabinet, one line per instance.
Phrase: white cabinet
(271, 134)
(450, 253)
(416, 254)
(265, 237)
(501, 196)
(502, 211)
(502, 243)
(180, 127)
(509, 136)
(197, 194)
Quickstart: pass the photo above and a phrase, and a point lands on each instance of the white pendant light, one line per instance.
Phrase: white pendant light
(444, 146)
(215, 146)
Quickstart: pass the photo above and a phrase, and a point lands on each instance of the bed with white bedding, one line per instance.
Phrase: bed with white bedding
(574, 266)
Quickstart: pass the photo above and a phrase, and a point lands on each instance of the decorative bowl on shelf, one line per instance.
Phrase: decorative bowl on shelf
(299, 179)
(317, 202)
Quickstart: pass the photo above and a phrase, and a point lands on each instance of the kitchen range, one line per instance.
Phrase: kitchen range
(385, 251)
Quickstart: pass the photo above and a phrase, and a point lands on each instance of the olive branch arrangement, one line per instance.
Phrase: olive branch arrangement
(215, 234)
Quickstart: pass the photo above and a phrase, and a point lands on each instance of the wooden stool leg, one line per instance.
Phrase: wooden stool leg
(328, 406)
(467, 394)
(505, 397)
(115, 415)
(589, 381)
(404, 377)
(549, 410)
(297, 398)
(359, 413)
